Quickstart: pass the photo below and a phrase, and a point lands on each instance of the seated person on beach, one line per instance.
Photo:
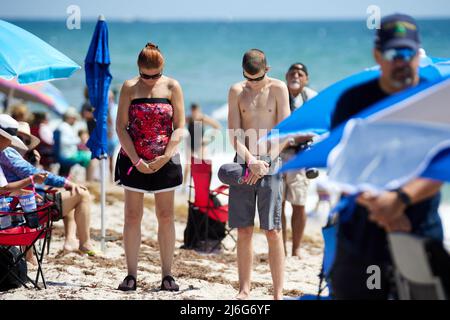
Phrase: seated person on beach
(196, 123)
(40, 128)
(75, 199)
(19, 112)
(69, 140)
(256, 105)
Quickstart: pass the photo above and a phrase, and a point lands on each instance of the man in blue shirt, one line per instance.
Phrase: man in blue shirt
(414, 207)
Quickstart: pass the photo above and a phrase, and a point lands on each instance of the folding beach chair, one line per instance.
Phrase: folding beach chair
(207, 218)
(329, 237)
(421, 267)
(329, 233)
(25, 233)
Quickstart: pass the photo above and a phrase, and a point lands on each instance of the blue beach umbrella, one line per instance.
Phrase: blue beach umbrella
(317, 156)
(314, 117)
(98, 80)
(28, 58)
(408, 135)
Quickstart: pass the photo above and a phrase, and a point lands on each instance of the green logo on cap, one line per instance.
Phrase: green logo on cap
(400, 30)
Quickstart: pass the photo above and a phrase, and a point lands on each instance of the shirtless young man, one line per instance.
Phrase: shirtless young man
(256, 105)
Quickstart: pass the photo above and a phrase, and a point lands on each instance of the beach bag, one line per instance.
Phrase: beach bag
(195, 231)
(8, 255)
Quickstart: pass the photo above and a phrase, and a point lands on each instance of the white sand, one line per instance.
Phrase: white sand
(74, 276)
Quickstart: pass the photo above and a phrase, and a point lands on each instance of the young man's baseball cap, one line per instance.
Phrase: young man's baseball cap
(397, 31)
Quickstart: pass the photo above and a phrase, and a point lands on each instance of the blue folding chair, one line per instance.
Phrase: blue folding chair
(329, 233)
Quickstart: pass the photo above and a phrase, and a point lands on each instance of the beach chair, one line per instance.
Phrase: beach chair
(25, 235)
(421, 267)
(207, 217)
(329, 234)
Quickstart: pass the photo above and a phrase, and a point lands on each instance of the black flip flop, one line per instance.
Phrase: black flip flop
(125, 287)
(171, 281)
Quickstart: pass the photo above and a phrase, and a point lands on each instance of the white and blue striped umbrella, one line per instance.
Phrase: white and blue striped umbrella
(394, 145)
(314, 117)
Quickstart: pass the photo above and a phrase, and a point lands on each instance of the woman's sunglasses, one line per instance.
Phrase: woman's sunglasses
(254, 79)
(150, 76)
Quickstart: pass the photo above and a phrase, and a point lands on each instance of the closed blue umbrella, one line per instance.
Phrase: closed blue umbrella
(314, 117)
(98, 80)
(28, 58)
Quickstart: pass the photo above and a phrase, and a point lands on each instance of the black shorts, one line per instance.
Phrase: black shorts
(168, 178)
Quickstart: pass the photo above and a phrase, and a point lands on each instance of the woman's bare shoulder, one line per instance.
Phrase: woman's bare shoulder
(172, 83)
(130, 83)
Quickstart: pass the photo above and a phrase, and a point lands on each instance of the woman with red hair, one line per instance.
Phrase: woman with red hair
(149, 125)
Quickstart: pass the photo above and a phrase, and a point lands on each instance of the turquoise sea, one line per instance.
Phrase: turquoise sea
(205, 57)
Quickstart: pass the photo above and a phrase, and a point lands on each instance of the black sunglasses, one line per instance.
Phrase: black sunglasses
(150, 76)
(253, 79)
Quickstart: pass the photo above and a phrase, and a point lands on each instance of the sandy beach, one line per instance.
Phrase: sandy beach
(200, 276)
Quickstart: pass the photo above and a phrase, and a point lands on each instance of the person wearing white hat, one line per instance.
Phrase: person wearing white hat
(8, 127)
(77, 197)
(31, 141)
(8, 130)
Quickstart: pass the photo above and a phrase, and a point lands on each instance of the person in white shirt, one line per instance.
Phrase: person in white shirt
(69, 140)
(296, 183)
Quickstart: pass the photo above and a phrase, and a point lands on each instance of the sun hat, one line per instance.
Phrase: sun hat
(24, 128)
(8, 129)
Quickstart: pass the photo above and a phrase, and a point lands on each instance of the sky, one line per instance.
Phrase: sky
(157, 10)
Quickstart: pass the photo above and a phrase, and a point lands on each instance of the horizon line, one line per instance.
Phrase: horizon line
(224, 19)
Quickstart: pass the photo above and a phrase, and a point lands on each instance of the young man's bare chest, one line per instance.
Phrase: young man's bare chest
(257, 107)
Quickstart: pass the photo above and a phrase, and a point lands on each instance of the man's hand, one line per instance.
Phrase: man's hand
(158, 163)
(258, 167)
(383, 208)
(400, 224)
(257, 170)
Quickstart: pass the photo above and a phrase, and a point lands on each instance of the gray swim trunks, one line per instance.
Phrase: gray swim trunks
(266, 193)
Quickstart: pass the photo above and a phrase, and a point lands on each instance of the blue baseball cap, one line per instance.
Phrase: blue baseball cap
(397, 31)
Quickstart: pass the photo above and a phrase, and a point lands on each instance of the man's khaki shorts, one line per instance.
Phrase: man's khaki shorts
(296, 187)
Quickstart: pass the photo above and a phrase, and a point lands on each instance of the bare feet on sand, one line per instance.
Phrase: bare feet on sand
(71, 245)
(243, 295)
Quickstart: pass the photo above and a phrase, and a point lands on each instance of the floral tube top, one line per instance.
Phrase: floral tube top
(150, 126)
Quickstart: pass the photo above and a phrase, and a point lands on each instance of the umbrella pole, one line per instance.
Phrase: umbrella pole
(103, 201)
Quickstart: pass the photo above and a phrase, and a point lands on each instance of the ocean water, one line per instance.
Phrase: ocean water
(205, 57)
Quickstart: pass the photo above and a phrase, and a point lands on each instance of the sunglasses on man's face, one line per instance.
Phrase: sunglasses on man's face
(399, 54)
(150, 76)
(254, 79)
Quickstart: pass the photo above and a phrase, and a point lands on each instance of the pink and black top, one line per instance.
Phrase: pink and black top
(150, 126)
